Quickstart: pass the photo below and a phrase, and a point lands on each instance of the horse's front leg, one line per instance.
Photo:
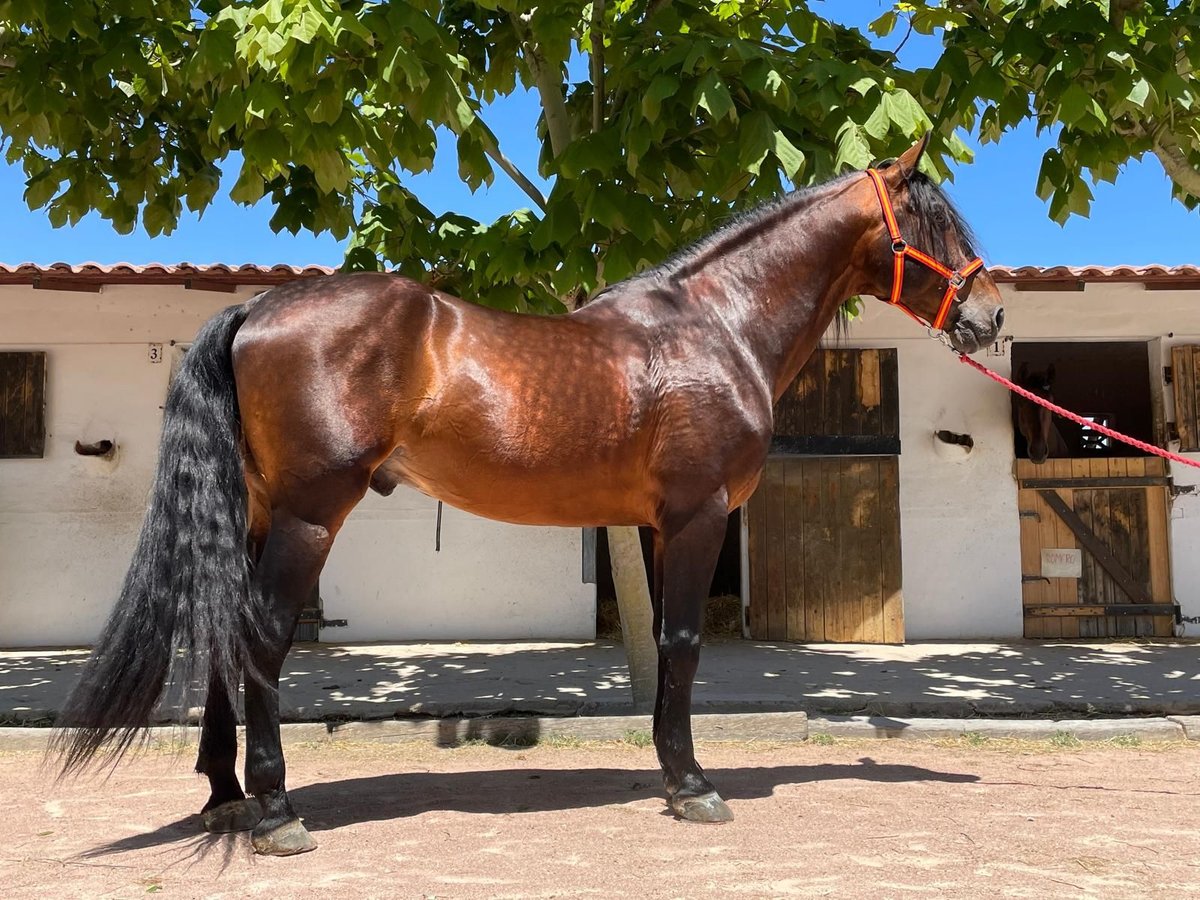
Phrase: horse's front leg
(690, 550)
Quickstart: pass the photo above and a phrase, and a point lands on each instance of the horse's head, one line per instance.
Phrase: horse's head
(1034, 422)
(920, 256)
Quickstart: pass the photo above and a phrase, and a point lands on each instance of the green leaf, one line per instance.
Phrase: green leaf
(713, 97)
(360, 259)
(662, 87)
(906, 113)
(863, 86)
(1073, 104)
(1139, 93)
(330, 170)
(328, 102)
(884, 25)
(755, 141)
(1052, 175)
(249, 187)
(40, 190)
(158, 219)
(202, 188)
(791, 160)
(853, 150)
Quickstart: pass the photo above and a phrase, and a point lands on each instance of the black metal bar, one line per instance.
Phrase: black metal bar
(437, 538)
(1114, 482)
(589, 556)
(835, 445)
(1103, 609)
(1091, 543)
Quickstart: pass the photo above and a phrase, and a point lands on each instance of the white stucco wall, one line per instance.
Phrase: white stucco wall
(68, 523)
(959, 526)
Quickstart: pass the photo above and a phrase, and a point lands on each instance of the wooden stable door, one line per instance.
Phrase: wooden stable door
(825, 551)
(1094, 548)
(823, 528)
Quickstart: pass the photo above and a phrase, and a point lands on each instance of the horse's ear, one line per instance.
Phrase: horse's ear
(911, 158)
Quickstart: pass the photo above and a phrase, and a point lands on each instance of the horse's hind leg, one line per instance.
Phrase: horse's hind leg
(295, 552)
(690, 551)
(227, 808)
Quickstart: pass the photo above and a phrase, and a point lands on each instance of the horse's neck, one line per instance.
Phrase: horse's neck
(780, 280)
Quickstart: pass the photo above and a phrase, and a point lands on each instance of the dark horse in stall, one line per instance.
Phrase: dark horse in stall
(651, 405)
(1034, 423)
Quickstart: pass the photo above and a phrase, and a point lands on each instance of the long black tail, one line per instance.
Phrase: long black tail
(187, 608)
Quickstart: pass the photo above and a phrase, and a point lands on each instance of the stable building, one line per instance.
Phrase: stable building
(895, 505)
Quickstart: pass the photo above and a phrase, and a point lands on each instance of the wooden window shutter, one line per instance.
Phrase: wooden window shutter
(1185, 378)
(22, 405)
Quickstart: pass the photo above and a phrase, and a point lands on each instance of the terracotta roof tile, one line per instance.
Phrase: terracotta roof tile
(1095, 273)
(250, 274)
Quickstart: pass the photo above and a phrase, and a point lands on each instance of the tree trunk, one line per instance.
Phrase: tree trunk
(633, 601)
(624, 546)
(1174, 160)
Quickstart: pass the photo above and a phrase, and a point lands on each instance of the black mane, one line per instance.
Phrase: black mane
(929, 221)
(934, 221)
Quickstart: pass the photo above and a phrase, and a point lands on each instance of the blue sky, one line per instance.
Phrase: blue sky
(1134, 221)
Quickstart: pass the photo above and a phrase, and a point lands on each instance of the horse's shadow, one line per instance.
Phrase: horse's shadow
(336, 804)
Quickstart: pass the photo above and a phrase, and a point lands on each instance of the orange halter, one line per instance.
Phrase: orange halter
(955, 279)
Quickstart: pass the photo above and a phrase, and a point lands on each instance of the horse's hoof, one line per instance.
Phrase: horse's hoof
(288, 839)
(705, 808)
(233, 815)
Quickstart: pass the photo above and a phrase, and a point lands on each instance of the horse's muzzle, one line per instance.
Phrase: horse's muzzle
(976, 328)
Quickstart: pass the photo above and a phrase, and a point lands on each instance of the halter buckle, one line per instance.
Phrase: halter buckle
(957, 280)
(899, 246)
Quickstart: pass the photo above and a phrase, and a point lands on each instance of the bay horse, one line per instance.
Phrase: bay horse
(650, 405)
(1034, 423)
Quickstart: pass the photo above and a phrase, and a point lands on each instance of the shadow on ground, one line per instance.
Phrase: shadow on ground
(375, 681)
(337, 804)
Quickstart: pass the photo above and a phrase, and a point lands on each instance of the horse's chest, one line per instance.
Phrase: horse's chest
(718, 426)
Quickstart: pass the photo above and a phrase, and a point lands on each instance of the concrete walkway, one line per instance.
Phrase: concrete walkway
(956, 680)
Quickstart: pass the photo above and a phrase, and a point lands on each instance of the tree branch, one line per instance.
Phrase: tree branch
(597, 65)
(1117, 10)
(651, 8)
(492, 148)
(895, 54)
(1175, 161)
(550, 89)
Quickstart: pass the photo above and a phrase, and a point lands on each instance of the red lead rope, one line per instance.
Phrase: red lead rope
(1067, 414)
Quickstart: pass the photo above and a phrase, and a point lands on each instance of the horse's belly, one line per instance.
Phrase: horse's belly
(583, 494)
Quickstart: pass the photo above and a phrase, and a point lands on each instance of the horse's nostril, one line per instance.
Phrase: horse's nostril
(998, 318)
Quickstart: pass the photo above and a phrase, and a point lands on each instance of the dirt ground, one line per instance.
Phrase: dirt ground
(847, 819)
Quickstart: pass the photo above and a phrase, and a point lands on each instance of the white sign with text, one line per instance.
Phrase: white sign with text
(1062, 563)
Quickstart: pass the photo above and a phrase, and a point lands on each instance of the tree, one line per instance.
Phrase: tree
(131, 108)
(688, 111)
(1116, 77)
